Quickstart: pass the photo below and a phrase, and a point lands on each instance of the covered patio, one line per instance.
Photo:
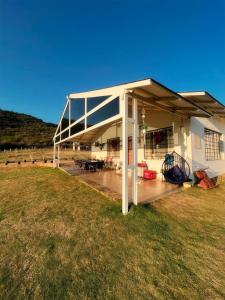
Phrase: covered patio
(121, 111)
(110, 183)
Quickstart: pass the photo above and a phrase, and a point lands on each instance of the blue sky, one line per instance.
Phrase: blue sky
(51, 48)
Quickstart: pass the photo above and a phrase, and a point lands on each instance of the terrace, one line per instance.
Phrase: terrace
(110, 183)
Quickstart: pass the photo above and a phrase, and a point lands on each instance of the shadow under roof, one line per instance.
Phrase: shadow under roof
(206, 101)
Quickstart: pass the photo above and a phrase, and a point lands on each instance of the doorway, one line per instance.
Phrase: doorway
(129, 150)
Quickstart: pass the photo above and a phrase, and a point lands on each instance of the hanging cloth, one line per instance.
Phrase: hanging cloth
(158, 136)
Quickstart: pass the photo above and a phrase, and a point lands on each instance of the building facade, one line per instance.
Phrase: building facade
(143, 121)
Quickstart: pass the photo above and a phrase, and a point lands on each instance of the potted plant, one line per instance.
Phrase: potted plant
(143, 128)
(99, 145)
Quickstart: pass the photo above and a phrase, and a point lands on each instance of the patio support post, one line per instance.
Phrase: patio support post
(54, 154)
(124, 103)
(135, 149)
(85, 113)
(69, 105)
(58, 155)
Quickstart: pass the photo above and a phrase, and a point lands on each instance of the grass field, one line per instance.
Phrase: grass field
(61, 240)
(39, 154)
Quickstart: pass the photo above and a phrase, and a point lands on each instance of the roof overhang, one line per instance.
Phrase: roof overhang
(154, 94)
(159, 96)
(206, 102)
(111, 90)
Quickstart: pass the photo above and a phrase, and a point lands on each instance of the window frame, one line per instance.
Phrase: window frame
(84, 118)
(150, 149)
(91, 100)
(80, 117)
(103, 109)
(213, 149)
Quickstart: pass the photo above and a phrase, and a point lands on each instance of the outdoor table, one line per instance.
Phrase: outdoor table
(91, 164)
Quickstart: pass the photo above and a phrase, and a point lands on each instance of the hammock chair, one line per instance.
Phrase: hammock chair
(175, 169)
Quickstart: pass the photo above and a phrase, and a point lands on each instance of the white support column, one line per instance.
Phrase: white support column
(85, 113)
(125, 153)
(54, 154)
(135, 150)
(58, 155)
(69, 106)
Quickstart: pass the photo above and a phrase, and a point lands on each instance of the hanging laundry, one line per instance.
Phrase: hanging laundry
(158, 137)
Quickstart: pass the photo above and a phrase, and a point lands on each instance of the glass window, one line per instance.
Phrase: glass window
(77, 128)
(212, 144)
(94, 101)
(109, 110)
(159, 142)
(77, 109)
(65, 119)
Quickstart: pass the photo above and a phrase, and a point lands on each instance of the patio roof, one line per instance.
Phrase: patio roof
(154, 94)
(150, 93)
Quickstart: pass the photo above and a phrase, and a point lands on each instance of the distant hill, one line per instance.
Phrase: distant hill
(21, 130)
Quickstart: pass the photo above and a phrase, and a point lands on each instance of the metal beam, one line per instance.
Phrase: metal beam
(218, 113)
(182, 98)
(184, 108)
(124, 102)
(69, 116)
(135, 149)
(204, 101)
(54, 155)
(158, 105)
(155, 97)
(58, 155)
(163, 99)
(218, 110)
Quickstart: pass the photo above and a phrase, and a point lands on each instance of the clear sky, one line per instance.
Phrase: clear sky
(51, 48)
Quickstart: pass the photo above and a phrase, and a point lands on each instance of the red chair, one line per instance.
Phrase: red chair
(108, 162)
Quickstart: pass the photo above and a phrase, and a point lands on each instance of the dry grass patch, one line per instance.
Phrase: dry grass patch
(39, 154)
(59, 239)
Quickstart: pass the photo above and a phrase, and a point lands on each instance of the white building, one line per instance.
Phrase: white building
(143, 121)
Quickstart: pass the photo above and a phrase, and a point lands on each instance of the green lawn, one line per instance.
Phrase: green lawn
(59, 239)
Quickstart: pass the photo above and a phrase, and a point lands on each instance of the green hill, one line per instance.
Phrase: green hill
(21, 130)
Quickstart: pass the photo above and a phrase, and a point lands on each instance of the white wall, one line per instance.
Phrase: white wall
(216, 167)
(111, 132)
(189, 143)
(160, 119)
